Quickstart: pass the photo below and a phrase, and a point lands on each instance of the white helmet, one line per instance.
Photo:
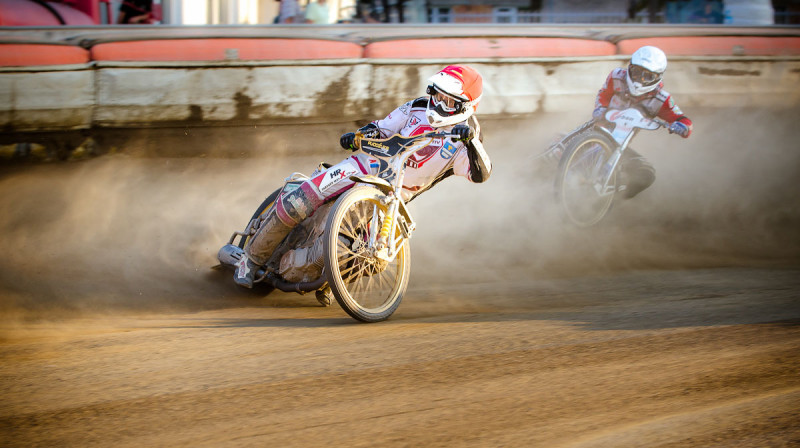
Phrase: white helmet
(647, 66)
(454, 95)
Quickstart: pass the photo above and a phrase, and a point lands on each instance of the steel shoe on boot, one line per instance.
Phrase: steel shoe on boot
(325, 296)
(245, 272)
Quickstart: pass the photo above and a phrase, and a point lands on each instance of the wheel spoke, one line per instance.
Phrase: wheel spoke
(346, 271)
(382, 278)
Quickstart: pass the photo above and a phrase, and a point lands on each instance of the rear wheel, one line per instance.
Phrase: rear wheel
(578, 178)
(368, 288)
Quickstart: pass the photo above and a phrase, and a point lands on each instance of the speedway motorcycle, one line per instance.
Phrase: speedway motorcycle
(588, 173)
(355, 248)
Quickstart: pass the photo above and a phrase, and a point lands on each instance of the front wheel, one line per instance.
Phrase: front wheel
(368, 288)
(579, 179)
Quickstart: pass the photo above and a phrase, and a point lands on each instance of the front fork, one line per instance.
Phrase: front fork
(604, 173)
(384, 244)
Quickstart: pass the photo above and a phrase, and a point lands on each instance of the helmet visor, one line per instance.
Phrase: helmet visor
(642, 75)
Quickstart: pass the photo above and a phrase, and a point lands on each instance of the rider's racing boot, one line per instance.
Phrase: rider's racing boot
(622, 182)
(245, 272)
(290, 208)
(266, 239)
(271, 232)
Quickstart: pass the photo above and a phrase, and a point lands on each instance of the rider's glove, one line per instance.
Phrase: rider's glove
(599, 112)
(462, 132)
(370, 131)
(348, 141)
(679, 128)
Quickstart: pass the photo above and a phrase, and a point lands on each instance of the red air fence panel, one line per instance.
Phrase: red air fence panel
(502, 47)
(717, 45)
(224, 49)
(41, 54)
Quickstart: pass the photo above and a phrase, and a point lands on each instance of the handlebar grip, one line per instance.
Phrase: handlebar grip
(357, 140)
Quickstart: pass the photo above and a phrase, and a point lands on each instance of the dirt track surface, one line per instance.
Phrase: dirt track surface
(676, 323)
(645, 359)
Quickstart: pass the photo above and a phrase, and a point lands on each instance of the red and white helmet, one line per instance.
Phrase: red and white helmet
(647, 66)
(454, 95)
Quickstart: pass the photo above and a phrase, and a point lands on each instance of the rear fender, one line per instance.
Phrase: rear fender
(381, 184)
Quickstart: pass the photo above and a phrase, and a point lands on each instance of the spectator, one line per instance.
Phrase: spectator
(317, 13)
(367, 11)
(136, 12)
(290, 12)
(709, 14)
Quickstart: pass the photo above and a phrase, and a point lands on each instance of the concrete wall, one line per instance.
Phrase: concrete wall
(46, 100)
(242, 82)
(145, 96)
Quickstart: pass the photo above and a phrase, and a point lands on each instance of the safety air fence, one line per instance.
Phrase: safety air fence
(67, 79)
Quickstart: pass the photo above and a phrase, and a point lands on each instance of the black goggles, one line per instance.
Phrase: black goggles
(642, 75)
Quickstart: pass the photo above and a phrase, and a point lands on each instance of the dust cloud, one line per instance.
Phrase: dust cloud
(728, 195)
(140, 232)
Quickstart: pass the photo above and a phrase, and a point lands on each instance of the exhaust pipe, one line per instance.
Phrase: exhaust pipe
(230, 255)
(301, 287)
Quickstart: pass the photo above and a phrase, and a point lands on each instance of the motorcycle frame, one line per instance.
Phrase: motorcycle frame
(604, 172)
(398, 211)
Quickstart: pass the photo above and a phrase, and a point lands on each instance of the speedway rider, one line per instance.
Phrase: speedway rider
(453, 96)
(640, 86)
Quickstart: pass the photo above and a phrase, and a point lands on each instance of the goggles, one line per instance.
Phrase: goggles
(642, 75)
(443, 101)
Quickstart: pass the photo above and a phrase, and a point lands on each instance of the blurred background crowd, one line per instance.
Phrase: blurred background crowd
(324, 12)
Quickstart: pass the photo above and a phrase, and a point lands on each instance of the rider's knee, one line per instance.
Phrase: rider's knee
(298, 204)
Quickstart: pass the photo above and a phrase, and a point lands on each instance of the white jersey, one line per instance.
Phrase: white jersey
(434, 161)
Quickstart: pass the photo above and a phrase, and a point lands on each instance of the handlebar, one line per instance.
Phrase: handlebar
(642, 114)
(379, 142)
(432, 134)
(396, 149)
(661, 122)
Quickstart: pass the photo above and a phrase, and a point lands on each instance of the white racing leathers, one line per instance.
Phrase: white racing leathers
(442, 158)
